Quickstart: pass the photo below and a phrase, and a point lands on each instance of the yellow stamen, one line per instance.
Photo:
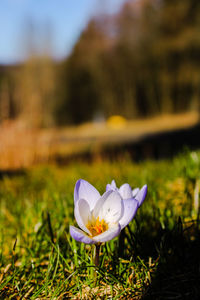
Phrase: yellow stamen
(96, 227)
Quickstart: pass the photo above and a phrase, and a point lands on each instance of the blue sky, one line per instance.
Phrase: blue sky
(66, 18)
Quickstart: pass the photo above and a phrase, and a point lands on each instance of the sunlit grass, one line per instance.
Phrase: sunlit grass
(39, 259)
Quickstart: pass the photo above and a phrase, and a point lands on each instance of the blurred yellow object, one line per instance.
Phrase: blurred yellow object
(116, 122)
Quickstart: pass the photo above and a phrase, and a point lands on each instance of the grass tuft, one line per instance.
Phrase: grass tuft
(156, 257)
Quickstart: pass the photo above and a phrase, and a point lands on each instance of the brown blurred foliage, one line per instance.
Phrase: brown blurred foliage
(144, 61)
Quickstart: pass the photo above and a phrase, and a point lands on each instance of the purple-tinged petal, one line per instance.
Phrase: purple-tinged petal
(84, 190)
(111, 186)
(141, 195)
(82, 214)
(80, 236)
(134, 192)
(111, 208)
(108, 235)
(125, 191)
(130, 208)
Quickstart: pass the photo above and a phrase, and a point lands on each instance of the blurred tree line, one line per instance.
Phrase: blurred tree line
(144, 61)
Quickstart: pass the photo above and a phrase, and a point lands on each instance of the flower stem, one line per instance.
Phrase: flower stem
(96, 254)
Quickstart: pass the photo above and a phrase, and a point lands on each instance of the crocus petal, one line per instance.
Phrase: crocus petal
(112, 207)
(82, 214)
(108, 235)
(141, 194)
(99, 203)
(80, 236)
(130, 208)
(111, 186)
(84, 190)
(125, 191)
(134, 192)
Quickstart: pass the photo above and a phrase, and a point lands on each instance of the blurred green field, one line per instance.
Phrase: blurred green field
(156, 257)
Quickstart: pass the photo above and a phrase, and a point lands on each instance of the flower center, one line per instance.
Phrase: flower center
(96, 227)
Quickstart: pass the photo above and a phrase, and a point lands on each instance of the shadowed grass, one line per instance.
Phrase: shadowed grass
(155, 257)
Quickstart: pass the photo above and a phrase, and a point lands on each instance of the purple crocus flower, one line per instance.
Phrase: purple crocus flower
(126, 192)
(100, 218)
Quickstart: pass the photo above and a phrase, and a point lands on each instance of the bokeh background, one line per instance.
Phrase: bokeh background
(78, 77)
